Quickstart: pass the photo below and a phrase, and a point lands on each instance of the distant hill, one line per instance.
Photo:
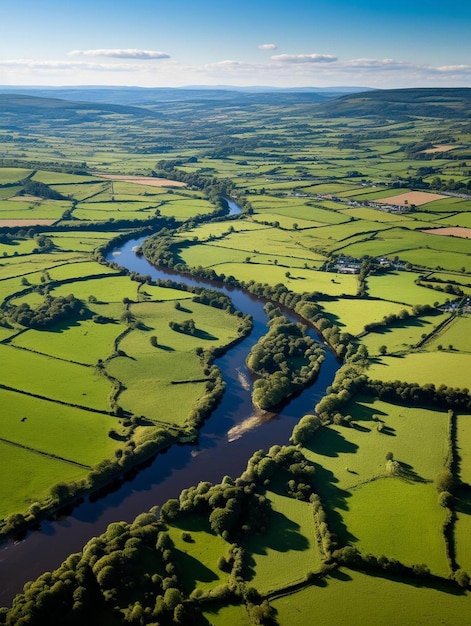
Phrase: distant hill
(403, 103)
(77, 105)
(145, 96)
(38, 107)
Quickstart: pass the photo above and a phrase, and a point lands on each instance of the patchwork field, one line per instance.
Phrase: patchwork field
(98, 384)
(374, 511)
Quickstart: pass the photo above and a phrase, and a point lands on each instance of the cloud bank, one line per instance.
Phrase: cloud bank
(304, 58)
(145, 68)
(121, 53)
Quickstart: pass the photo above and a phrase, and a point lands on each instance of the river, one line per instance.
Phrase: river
(225, 443)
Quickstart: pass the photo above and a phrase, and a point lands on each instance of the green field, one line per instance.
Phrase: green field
(55, 379)
(352, 315)
(288, 551)
(198, 558)
(463, 438)
(350, 597)
(448, 368)
(73, 434)
(401, 287)
(27, 477)
(403, 336)
(149, 373)
(375, 512)
(107, 380)
(457, 334)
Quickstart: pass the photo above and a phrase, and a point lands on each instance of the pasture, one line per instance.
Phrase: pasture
(149, 373)
(357, 598)
(288, 551)
(27, 477)
(462, 444)
(352, 478)
(462, 530)
(402, 287)
(403, 336)
(198, 558)
(444, 367)
(67, 432)
(456, 334)
(83, 341)
(352, 314)
(54, 379)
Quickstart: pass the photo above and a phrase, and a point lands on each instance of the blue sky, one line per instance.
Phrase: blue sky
(288, 43)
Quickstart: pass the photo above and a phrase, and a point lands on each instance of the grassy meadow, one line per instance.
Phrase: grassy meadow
(442, 367)
(312, 186)
(288, 551)
(354, 597)
(374, 511)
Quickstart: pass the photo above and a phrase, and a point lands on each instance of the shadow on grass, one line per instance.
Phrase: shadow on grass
(419, 583)
(282, 536)
(195, 523)
(364, 413)
(184, 309)
(335, 500)
(408, 474)
(340, 574)
(166, 348)
(193, 571)
(329, 442)
(335, 319)
(202, 334)
(387, 430)
(463, 501)
(362, 429)
(412, 322)
(142, 326)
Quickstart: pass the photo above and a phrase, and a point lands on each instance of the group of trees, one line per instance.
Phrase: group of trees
(188, 327)
(398, 318)
(46, 315)
(133, 573)
(41, 190)
(403, 392)
(286, 358)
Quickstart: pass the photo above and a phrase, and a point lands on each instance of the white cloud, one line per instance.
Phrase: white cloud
(65, 65)
(268, 46)
(454, 68)
(291, 70)
(121, 53)
(304, 58)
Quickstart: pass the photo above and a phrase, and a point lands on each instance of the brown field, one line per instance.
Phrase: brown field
(411, 197)
(144, 180)
(12, 223)
(456, 231)
(440, 148)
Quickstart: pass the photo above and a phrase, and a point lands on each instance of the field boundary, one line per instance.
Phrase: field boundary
(49, 455)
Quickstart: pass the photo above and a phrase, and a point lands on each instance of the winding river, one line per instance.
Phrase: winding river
(225, 443)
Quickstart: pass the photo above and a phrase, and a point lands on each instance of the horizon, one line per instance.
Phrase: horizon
(152, 45)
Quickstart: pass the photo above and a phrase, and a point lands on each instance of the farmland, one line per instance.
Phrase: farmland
(128, 369)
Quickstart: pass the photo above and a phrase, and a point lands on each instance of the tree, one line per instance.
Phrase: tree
(462, 578)
(154, 342)
(445, 481)
(383, 350)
